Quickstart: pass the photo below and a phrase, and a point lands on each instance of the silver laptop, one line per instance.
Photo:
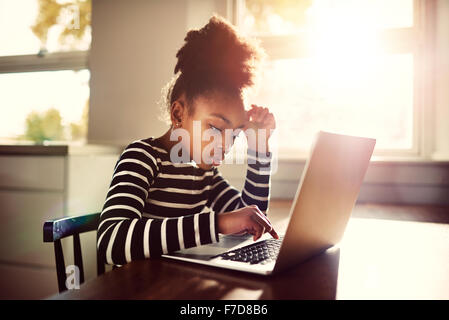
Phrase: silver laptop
(320, 211)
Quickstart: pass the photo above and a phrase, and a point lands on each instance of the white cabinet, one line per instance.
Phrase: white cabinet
(37, 185)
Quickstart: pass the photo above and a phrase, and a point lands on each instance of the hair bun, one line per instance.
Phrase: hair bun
(216, 53)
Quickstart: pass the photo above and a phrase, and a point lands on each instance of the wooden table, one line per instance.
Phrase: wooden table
(377, 259)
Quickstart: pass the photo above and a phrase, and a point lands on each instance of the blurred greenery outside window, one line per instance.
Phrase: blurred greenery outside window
(44, 77)
(345, 66)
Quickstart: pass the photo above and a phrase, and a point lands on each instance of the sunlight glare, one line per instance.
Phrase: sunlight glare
(341, 51)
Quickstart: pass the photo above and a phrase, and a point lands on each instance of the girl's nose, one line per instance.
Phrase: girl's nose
(227, 147)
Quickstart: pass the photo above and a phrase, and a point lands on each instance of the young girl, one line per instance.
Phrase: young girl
(156, 204)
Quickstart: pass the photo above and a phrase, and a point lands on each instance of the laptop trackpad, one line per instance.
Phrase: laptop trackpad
(206, 252)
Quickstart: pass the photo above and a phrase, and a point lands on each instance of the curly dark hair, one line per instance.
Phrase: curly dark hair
(215, 57)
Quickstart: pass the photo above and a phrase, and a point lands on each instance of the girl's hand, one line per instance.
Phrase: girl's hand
(247, 219)
(261, 121)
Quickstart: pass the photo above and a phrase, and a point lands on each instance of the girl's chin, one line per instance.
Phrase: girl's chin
(215, 163)
(206, 166)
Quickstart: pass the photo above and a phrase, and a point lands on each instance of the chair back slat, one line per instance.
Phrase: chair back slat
(100, 266)
(60, 266)
(78, 258)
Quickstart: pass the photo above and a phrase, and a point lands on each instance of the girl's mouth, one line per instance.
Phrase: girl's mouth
(217, 158)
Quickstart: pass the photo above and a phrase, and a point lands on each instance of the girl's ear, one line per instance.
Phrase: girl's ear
(177, 113)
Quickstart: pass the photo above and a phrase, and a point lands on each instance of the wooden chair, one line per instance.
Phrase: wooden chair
(57, 229)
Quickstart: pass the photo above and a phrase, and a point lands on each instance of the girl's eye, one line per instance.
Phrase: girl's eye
(215, 128)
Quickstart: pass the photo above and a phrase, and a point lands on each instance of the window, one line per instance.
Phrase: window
(345, 66)
(44, 79)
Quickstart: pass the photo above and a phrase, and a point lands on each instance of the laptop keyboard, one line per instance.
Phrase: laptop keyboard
(261, 252)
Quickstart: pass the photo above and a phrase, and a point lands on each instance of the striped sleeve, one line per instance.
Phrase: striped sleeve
(256, 189)
(123, 235)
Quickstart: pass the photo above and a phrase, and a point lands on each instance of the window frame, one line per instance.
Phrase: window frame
(69, 60)
(418, 40)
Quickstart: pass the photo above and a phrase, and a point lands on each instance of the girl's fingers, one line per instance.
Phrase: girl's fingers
(263, 231)
(251, 114)
(267, 224)
(253, 230)
(257, 227)
(262, 219)
(267, 115)
(259, 233)
(269, 122)
(269, 118)
(257, 113)
(261, 114)
(264, 223)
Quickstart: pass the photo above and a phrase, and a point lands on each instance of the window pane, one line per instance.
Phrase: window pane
(22, 93)
(367, 96)
(26, 26)
(292, 16)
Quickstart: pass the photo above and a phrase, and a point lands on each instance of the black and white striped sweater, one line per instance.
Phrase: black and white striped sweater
(155, 206)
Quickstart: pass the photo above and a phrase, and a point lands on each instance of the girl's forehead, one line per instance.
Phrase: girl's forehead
(230, 110)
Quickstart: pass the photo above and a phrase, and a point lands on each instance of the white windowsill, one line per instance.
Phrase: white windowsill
(406, 159)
